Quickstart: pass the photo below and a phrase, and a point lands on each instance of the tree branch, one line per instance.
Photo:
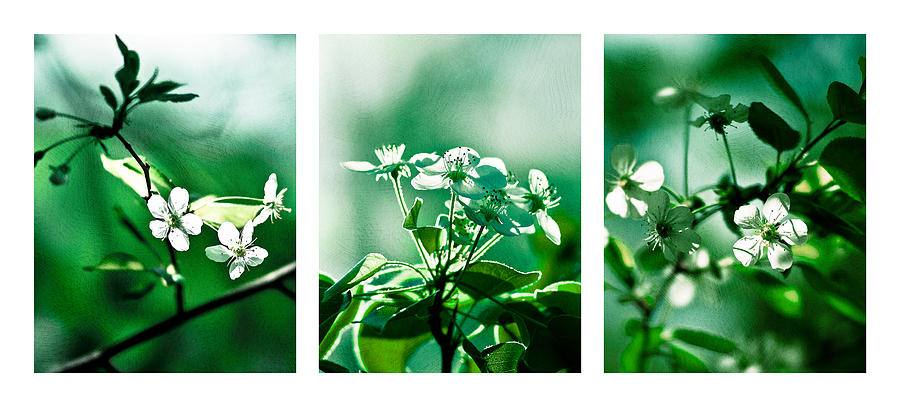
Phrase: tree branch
(100, 358)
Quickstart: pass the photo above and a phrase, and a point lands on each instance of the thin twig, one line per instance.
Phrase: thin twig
(100, 357)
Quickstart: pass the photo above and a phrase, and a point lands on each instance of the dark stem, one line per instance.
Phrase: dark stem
(100, 357)
(179, 288)
(144, 167)
(768, 190)
(730, 160)
(648, 312)
(286, 291)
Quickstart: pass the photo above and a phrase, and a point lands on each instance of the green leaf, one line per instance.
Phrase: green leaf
(384, 315)
(127, 75)
(564, 296)
(412, 217)
(771, 128)
(783, 298)
(128, 170)
(633, 327)
(781, 85)
(109, 97)
(327, 366)
(474, 353)
(832, 293)
(388, 351)
(489, 278)
(687, 362)
(177, 97)
(220, 212)
(329, 309)
(847, 308)
(862, 71)
(432, 237)
(845, 161)
(651, 261)
(704, 340)
(619, 258)
(154, 91)
(631, 355)
(504, 357)
(846, 104)
(365, 269)
(136, 282)
(122, 47)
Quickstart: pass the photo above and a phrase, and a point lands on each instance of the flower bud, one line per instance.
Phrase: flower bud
(59, 175)
(43, 114)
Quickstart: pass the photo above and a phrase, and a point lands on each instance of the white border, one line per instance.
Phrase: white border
(462, 16)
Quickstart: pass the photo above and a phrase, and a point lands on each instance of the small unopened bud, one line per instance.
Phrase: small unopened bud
(38, 155)
(59, 175)
(44, 114)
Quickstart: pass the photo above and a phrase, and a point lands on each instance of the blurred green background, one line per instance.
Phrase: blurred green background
(516, 97)
(226, 142)
(814, 338)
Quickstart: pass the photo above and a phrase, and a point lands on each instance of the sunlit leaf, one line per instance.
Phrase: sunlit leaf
(564, 296)
(388, 351)
(619, 258)
(329, 309)
(504, 357)
(220, 212)
(128, 170)
(412, 217)
(845, 161)
(365, 269)
(651, 261)
(432, 237)
(138, 279)
(489, 278)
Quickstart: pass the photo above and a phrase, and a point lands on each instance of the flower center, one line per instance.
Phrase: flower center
(663, 229)
(494, 203)
(239, 251)
(769, 233)
(717, 122)
(173, 221)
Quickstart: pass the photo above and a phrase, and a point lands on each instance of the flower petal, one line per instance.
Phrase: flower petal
(537, 181)
(178, 199)
(462, 157)
(179, 240)
(247, 234)
(263, 215)
(748, 250)
(358, 166)
(494, 162)
(424, 159)
(776, 207)
(504, 228)
(468, 188)
(681, 292)
(191, 223)
(218, 253)
(551, 229)
(649, 176)
(780, 256)
(637, 203)
(158, 207)
(623, 158)
(680, 218)
(235, 270)
(425, 181)
(158, 228)
(617, 202)
(228, 235)
(256, 255)
(686, 241)
(519, 216)
(748, 217)
(740, 113)
(270, 188)
(793, 231)
(657, 206)
(489, 177)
